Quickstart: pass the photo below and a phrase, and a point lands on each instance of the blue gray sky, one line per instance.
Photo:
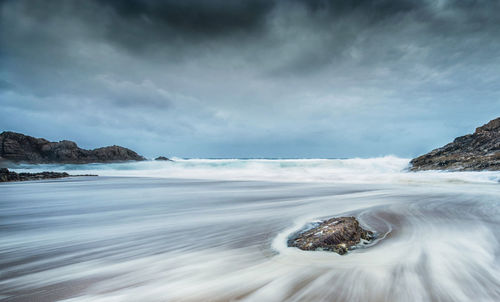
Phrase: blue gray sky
(270, 78)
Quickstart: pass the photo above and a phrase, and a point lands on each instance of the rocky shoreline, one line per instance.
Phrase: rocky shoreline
(6, 175)
(471, 152)
(17, 147)
(337, 235)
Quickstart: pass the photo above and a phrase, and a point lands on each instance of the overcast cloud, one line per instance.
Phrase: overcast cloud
(250, 78)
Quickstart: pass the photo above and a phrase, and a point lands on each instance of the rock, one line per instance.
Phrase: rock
(163, 158)
(6, 175)
(338, 235)
(471, 152)
(17, 147)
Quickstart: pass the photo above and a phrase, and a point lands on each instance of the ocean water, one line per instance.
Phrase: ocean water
(216, 230)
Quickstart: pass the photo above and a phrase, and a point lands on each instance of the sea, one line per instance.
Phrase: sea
(217, 230)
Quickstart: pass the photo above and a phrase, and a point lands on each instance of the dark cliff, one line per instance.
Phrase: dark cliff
(471, 152)
(17, 147)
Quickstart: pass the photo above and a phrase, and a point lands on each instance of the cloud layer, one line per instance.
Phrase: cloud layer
(250, 78)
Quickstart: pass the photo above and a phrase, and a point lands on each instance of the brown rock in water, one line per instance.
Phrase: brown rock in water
(17, 147)
(471, 152)
(337, 235)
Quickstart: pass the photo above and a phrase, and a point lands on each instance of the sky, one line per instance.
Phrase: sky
(250, 79)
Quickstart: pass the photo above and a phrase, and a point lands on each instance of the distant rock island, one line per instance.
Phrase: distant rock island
(471, 152)
(17, 147)
(163, 158)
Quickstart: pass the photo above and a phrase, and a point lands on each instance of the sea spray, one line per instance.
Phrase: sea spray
(387, 169)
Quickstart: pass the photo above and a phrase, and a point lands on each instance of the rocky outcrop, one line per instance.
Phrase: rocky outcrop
(6, 175)
(471, 152)
(338, 235)
(163, 158)
(17, 147)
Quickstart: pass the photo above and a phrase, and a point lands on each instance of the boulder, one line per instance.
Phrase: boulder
(337, 235)
(471, 152)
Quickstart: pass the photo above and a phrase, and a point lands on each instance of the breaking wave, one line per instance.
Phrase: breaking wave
(388, 169)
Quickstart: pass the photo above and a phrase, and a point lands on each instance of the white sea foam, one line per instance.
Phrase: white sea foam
(388, 169)
(170, 239)
(164, 239)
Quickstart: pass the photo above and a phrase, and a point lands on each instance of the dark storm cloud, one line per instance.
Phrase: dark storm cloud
(197, 77)
(216, 17)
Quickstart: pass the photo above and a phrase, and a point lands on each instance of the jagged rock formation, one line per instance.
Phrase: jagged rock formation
(477, 151)
(338, 235)
(17, 147)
